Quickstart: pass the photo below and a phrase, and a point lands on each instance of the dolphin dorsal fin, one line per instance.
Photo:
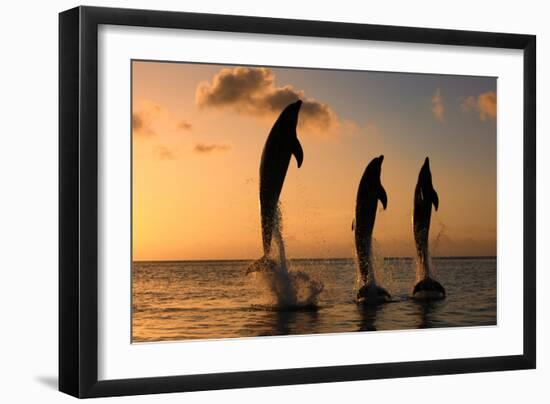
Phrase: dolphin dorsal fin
(435, 199)
(382, 196)
(298, 152)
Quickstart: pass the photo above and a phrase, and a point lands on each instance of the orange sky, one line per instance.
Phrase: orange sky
(199, 130)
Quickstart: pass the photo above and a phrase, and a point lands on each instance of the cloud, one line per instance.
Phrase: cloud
(164, 153)
(142, 119)
(184, 125)
(204, 148)
(438, 109)
(485, 105)
(253, 91)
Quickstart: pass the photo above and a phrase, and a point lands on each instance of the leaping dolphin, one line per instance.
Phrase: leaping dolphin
(280, 145)
(370, 191)
(424, 197)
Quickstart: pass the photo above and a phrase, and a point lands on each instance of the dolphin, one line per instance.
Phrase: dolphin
(282, 142)
(424, 197)
(370, 191)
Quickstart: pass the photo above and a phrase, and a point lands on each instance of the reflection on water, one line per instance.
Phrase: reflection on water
(368, 317)
(426, 310)
(213, 299)
(290, 322)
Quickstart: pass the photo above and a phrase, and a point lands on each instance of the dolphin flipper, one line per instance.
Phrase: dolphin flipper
(435, 199)
(298, 152)
(383, 197)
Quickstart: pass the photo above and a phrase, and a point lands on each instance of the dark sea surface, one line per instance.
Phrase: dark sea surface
(182, 300)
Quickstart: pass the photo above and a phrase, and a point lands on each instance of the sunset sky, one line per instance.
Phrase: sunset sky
(199, 130)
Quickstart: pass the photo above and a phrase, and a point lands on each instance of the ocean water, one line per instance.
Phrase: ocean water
(183, 300)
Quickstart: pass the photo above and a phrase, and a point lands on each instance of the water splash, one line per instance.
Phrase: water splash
(421, 270)
(383, 272)
(289, 289)
(429, 269)
(378, 274)
(440, 232)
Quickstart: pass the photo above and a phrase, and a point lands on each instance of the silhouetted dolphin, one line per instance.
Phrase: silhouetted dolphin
(424, 197)
(280, 145)
(370, 191)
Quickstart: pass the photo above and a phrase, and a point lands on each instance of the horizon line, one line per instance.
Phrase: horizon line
(455, 257)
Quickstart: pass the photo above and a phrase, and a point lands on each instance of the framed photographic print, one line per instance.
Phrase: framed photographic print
(251, 201)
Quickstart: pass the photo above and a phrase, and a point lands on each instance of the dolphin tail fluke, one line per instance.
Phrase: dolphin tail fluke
(298, 152)
(372, 294)
(429, 289)
(262, 265)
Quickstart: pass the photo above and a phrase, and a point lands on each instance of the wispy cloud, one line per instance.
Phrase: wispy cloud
(253, 91)
(485, 104)
(164, 153)
(142, 119)
(438, 109)
(206, 148)
(185, 125)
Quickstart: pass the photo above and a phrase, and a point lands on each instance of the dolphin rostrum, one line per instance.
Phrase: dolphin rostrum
(370, 191)
(280, 145)
(424, 197)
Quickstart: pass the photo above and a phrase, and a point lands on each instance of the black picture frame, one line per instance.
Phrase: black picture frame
(78, 201)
